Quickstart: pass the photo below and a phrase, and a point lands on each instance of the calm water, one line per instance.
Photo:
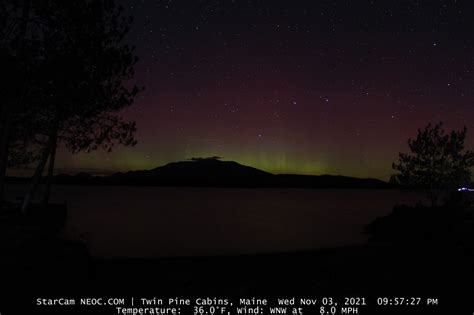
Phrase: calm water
(156, 221)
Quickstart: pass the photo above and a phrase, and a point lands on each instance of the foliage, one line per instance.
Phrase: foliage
(437, 161)
(69, 72)
(85, 66)
(68, 68)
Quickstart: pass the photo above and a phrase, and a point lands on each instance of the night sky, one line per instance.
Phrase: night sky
(307, 87)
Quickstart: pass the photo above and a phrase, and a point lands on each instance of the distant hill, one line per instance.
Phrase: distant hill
(199, 172)
(212, 172)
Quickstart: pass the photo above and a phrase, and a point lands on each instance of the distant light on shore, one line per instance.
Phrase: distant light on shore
(465, 189)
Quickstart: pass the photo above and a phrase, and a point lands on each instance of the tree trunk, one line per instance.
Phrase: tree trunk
(5, 127)
(52, 157)
(7, 109)
(433, 196)
(37, 175)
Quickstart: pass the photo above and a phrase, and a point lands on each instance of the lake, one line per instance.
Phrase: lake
(120, 221)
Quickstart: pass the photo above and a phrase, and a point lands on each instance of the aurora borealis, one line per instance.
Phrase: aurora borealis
(307, 87)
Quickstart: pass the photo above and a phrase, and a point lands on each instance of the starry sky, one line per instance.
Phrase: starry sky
(305, 87)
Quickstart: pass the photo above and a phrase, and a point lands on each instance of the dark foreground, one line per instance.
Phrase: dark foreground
(367, 271)
(37, 264)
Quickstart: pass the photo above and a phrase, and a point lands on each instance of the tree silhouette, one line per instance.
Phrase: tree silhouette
(84, 68)
(69, 73)
(438, 161)
(18, 57)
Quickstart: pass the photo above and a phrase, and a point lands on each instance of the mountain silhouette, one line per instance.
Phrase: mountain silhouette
(196, 172)
(212, 172)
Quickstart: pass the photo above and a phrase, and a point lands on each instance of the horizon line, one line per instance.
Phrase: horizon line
(101, 172)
